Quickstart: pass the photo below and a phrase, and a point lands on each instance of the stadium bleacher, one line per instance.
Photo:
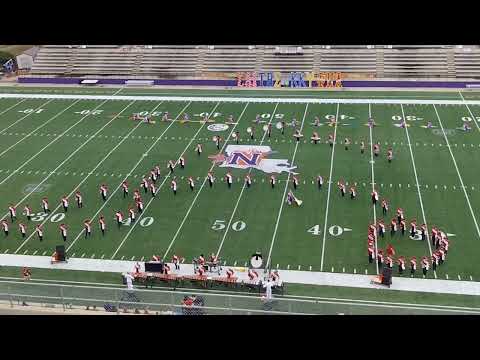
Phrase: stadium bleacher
(389, 61)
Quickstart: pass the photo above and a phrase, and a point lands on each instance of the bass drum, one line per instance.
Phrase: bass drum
(256, 261)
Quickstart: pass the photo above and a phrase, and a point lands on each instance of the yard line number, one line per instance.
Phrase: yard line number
(31, 111)
(333, 230)
(89, 112)
(145, 222)
(408, 118)
(145, 113)
(468, 118)
(342, 117)
(236, 226)
(42, 216)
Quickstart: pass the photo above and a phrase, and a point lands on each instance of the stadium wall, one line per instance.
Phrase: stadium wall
(233, 83)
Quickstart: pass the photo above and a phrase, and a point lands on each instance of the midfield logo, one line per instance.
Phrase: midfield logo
(250, 156)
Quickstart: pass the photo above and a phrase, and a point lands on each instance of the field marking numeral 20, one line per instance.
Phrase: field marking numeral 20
(236, 226)
(146, 221)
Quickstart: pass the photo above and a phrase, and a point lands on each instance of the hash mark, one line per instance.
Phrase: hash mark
(35, 252)
(83, 255)
(299, 267)
(25, 252)
(103, 255)
(446, 276)
(332, 269)
(471, 277)
(354, 271)
(123, 257)
(288, 267)
(6, 251)
(73, 255)
(459, 278)
(133, 257)
(310, 268)
(278, 266)
(42, 253)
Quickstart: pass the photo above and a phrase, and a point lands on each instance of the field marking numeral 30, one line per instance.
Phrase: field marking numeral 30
(42, 216)
(236, 226)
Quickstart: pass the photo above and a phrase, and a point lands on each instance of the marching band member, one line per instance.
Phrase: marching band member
(230, 119)
(88, 228)
(136, 195)
(372, 229)
(390, 155)
(191, 183)
(139, 203)
(103, 191)
(269, 129)
(253, 276)
(200, 271)
(290, 198)
(229, 179)
(153, 176)
(78, 198)
(103, 225)
(237, 136)
(131, 214)
(173, 185)
(144, 184)
(380, 258)
(425, 266)
(429, 125)
(413, 228)
(315, 138)
(376, 149)
(136, 268)
(230, 273)
(319, 181)
(201, 259)
(362, 147)
(248, 180)
(381, 228)
(384, 206)
(65, 203)
(393, 227)
(295, 182)
(445, 243)
(198, 149)
(441, 253)
(63, 231)
(401, 265)
(403, 226)
(157, 170)
(466, 127)
(211, 179)
(28, 212)
(331, 139)
(353, 192)
(316, 121)
(332, 121)
(23, 229)
(434, 261)
(400, 216)
(341, 186)
(423, 231)
(257, 119)
(252, 133)
(171, 166)
(272, 181)
(153, 189)
(413, 266)
(45, 205)
(5, 227)
(156, 258)
(165, 116)
(371, 254)
(371, 123)
(186, 117)
(283, 126)
(182, 162)
(275, 276)
(39, 231)
(374, 197)
(176, 262)
(390, 250)
(119, 218)
(389, 262)
(166, 268)
(218, 140)
(371, 239)
(125, 188)
(435, 241)
(13, 212)
(297, 135)
(347, 143)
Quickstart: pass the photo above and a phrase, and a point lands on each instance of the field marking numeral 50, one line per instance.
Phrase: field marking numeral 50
(236, 226)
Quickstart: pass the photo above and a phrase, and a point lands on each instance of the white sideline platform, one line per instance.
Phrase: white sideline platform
(287, 276)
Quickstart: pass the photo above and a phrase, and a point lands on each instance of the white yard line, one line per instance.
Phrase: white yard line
(53, 141)
(373, 182)
(304, 100)
(418, 187)
(458, 173)
(38, 128)
(131, 170)
(330, 180)
(8, 109)
(25, 116)
(202, 186)
(163, 182)
(474, 119)
(85, 178)
(282, 202)
(241, 192)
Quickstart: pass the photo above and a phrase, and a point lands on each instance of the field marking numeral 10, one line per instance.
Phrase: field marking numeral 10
(277, 116)
(146, 221)
(31, 111)
(342, 117)
(236, 226)
(468, 118)
(89, 112)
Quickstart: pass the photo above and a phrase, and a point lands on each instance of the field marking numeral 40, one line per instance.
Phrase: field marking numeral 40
(146, 221)
(30, 111)
(236, 226)
(333, 230)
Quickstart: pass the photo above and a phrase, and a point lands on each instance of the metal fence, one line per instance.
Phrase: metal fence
(159, 301)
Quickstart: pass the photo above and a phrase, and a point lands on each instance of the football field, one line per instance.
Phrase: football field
(54, 147)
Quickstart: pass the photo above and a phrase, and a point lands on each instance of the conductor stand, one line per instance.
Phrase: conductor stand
(60, 255)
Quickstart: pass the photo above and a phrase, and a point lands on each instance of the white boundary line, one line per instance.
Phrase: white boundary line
(163, 182)
(418, 186)
(330, 181)
(86, 177)
(373, 186)
(25, 116)
(240, 99)
(243, 189)
(8, 109)
(203, 184)
(474, 119)
(267, 265)
(458, 172)
(38, 128)
(133, 169)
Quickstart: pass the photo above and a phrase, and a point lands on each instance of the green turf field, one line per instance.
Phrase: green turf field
(54, 147)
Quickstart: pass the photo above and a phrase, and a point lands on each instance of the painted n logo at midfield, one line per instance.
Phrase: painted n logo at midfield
(240, 158)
